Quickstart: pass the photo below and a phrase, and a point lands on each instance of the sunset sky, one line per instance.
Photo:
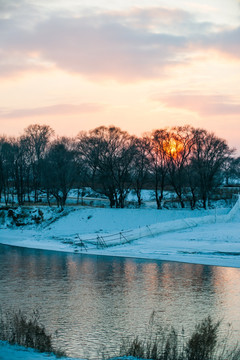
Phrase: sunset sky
(136, 64)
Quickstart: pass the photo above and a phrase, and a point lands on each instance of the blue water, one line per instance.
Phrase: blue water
(95, 301)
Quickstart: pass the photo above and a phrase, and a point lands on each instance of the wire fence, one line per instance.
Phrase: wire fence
(103, 241)
(124, 237)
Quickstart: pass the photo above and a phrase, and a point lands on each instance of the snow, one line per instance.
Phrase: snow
(209, 237)
(15, 352)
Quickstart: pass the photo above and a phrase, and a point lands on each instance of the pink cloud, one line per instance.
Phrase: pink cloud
(135, 45)
(204, 105)
(59, 109)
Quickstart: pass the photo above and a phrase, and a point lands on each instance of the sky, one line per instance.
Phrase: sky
(137, 64)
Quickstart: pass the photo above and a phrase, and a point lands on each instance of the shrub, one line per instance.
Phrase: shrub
(17, 328)
(203, 341)
(163, 344)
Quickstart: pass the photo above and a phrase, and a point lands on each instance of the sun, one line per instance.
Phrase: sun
(173, 147)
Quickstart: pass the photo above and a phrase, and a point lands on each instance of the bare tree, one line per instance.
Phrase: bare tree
(158, 163)
(178, 149)
(109, 152)
(60, 170)
(36, 138)
(90, 148)
(231, 170)
(210, 153)
(192, 161)
(7, 156)
(82, 170)
(140, 166)
(20, 168)
(3, 140)
(192, 182)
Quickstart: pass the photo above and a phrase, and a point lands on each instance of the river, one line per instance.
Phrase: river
(94, 301)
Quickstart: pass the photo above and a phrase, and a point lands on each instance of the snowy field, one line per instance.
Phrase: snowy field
(205, 237)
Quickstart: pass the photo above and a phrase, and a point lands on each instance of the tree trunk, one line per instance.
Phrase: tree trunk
(193, 200)
(138, 193)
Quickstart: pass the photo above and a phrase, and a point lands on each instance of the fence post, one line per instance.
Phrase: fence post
(82, 245)
(101, 242)
(150, 230)
(122, 236)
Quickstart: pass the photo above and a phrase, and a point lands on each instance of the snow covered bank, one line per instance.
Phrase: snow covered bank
(207, 237)
(15, 352)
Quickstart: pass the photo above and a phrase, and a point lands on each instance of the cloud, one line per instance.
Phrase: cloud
(161, 20)
(58, 109)
(227, 42)
(97, 47)
(125, 46)
(109, 49)
(204, 105)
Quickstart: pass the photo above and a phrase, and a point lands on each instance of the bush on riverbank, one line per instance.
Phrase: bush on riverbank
(203, 344)
(18, 329)
(157, 344)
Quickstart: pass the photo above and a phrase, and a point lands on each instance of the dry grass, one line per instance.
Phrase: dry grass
(162, 344)
(20, 329)
(158, 343)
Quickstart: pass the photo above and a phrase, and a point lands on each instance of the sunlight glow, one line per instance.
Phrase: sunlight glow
(141, 66)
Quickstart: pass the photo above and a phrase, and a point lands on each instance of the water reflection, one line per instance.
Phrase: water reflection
(93, 301)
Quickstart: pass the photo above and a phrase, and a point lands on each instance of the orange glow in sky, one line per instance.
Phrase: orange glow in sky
(139, 65)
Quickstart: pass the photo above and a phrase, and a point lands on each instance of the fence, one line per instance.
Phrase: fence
(123, 237)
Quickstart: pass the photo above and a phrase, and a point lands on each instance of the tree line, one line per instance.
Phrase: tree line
(191, 162)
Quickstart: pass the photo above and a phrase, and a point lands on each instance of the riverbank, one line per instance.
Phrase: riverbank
(15, 352)
(204, 237)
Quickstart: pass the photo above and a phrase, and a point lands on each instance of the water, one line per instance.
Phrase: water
(94, 301)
